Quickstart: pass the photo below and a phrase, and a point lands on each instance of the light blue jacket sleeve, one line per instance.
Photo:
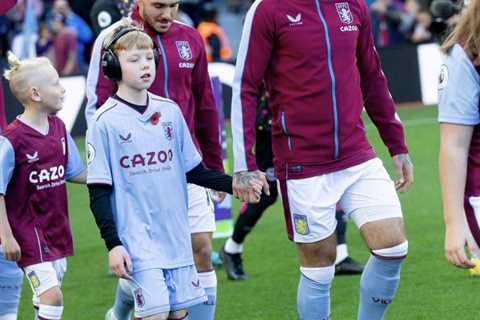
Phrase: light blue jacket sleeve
(7, 163)
(98, 155)
(459, 90)
(75, 164)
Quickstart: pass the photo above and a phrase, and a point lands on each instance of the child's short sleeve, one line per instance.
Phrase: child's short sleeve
(75, 164)
(459, 90)
(98, 159)
(7, 163)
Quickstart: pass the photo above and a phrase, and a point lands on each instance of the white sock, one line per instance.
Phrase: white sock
(342, 253)
(232, 247)
(50, 312)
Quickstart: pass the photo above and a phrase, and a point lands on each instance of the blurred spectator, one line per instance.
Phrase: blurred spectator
(23, 44)
(106, 12)
(44, 43)
(185, 18)
(386, 18)
(236, 6)
(77, 24)
(6, 5)
(83, 7)
(64, 47)
(192, 9)
(421, 32)
(216, 42)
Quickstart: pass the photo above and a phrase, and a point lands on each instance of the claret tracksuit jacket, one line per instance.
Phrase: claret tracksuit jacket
(320, 67)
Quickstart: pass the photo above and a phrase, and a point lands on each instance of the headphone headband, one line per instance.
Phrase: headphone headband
(110, 63)
(118, 35)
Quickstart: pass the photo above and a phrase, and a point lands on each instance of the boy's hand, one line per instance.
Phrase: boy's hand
(120, 262)
(11, 249)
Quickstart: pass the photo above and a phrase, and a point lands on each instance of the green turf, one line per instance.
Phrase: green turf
(430, 288)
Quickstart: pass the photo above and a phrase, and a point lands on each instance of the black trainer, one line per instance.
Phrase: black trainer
(348, 266)
(233, 264)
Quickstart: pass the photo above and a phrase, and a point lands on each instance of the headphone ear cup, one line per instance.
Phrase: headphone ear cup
(111, 66)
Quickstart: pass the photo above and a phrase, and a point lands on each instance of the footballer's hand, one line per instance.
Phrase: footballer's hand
(457, 238)
(404, 172)
(217, 196)
(11, 249)
(120, 262)
(248, 185)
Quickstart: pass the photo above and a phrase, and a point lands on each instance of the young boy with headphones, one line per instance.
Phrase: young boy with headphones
(140, 158)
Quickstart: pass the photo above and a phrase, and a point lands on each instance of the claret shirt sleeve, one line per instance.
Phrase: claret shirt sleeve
(207, 128)
(254, 56)
(378, 101)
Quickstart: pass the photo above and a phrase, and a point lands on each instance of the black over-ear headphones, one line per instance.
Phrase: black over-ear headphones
(110, 63)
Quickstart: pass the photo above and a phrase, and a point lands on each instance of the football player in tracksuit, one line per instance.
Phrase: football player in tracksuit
(182, 76)
(321, 69)
(250, 213)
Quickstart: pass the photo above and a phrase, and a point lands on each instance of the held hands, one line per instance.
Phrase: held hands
(404, 171)
(120, 262)
(11, 249)
(217, 196)
(248, 186)
(457, 238)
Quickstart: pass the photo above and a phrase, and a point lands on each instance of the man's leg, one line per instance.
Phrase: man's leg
(344, 264)
(317, 272)
(202, 225)
(202, 253)
(250, 214)
(381, 277)
(123, 305)
(373, 205)
(310, 218)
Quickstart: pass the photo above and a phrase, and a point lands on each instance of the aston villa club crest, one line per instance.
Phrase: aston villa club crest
(184, 50)
(139, 298)
(301, 224)
(168, 130)
(34, 280)
(344, 12)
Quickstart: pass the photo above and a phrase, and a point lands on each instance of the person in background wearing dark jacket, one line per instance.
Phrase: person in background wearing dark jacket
(320, 66)
(250, 213)
(104, 13)
(216, 42)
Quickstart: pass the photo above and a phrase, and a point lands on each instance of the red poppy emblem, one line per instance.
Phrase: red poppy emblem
(155, 118)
